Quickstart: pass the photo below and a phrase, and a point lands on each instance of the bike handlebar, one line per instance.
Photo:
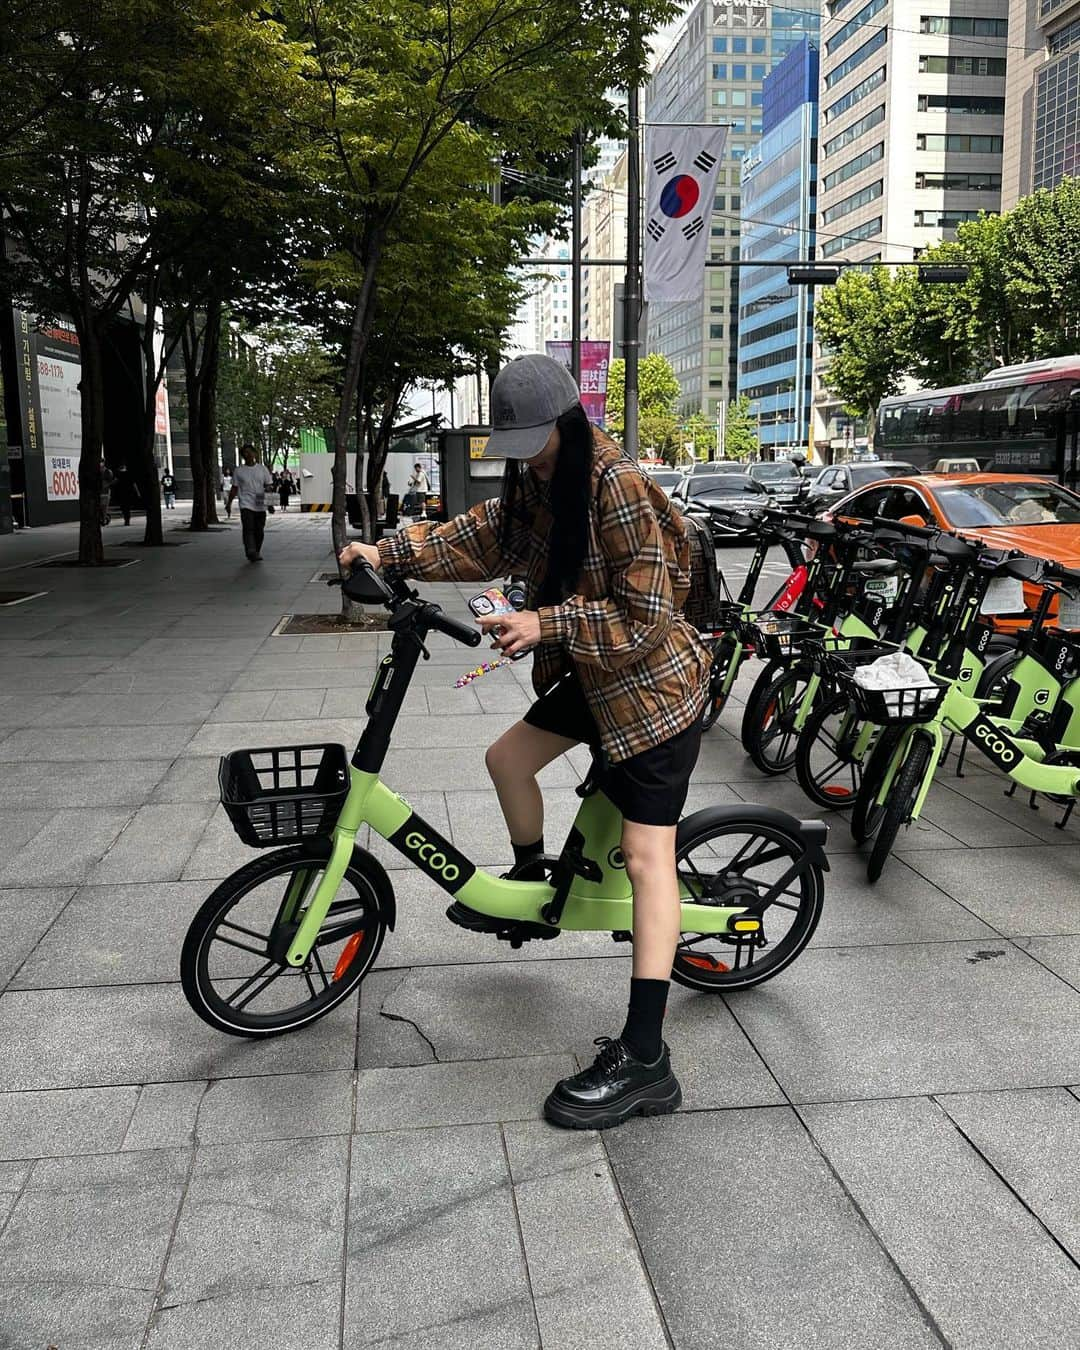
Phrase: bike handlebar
(453, 628)
(918, 531)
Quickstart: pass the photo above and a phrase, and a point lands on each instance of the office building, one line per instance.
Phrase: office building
(1042, 97)
(779, 186)
(552, 303)
(603, 236)
(911, 117)
(713, 72)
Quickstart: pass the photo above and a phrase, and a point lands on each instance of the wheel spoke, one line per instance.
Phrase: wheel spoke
(232, 942)
(274, 974)
(231, 1000)
(320, 967)
(248, 932)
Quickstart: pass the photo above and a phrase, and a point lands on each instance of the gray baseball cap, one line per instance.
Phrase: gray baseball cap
(528, 396)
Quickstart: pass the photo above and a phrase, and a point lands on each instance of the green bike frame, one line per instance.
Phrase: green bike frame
(601, 905)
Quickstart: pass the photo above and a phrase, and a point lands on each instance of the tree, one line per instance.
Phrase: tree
(405, 95)
(702, 433)
(98, 188)
(740, 430)
(865, 323)
(658, 393)
(274, 380)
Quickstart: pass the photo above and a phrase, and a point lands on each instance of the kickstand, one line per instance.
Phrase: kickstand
(960, 757)
(1060, 824)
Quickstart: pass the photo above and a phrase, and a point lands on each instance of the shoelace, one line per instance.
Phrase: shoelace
(609, 1056)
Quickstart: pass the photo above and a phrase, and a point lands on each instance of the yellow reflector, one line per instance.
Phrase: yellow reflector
(746, 925)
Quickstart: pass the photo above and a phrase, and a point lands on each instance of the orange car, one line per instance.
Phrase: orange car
(1005, 510)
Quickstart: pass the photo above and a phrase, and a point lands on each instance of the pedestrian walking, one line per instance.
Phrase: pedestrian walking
(125, 491)
(251, 482)
(606, 562)
(419, 487)
(108, 478)
(285, 490)
(168, 490)
(226, 491)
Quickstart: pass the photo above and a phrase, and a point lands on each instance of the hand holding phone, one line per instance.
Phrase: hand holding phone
(491, 603)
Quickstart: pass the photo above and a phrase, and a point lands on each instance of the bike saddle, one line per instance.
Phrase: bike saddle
(1020, 568)
(949, 550)
(820, 530)
(877, 567)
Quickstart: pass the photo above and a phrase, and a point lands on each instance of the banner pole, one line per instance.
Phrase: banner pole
(632, 286)
(575, 263)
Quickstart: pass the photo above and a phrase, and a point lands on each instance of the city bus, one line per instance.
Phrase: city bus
(1018, 419)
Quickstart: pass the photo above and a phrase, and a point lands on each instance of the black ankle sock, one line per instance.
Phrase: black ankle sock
(645, 1019)
(523, 852)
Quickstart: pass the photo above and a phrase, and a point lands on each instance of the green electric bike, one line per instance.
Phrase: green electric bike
(292, 934)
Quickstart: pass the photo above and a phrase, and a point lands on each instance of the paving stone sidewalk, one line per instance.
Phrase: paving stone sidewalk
(880, 1148)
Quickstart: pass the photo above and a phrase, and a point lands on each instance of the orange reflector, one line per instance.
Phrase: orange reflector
(707, 963)
(345, 960)
(837, 792)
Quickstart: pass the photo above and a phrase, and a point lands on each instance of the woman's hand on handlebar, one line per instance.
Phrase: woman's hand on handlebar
(517, 633)
(366, 552)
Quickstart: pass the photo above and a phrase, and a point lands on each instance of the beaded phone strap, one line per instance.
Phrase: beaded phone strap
(479, 670)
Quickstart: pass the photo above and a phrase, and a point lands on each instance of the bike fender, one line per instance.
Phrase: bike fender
(370, 866)
(375, 872)
(812, 834)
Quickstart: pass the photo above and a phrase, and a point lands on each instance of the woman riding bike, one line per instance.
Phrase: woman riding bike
(616, 665)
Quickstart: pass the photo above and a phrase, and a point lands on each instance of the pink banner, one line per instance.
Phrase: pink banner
(595, 357)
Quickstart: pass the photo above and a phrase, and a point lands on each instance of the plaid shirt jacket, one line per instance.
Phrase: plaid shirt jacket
(641, 665)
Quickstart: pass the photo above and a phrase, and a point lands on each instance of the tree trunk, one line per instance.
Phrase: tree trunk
(193, 392)
(92, 410)
(208, 410)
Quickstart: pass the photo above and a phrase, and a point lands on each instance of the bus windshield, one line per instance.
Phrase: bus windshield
(1009, 504)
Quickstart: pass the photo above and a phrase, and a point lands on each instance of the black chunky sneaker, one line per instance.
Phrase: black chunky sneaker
(615, 1087)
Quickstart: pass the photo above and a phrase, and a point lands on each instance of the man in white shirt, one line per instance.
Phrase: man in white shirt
(419, 487)
(251, 482)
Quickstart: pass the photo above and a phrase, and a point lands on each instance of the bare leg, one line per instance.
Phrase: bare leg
(513, 763)
(649, 851)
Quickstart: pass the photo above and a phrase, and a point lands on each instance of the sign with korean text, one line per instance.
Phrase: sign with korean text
(61, 477)
(476, 446)
(681, 166)
(595, 360)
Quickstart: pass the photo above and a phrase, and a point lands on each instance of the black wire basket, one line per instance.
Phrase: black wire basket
(893, 707)
(282, 795)
(777, 636)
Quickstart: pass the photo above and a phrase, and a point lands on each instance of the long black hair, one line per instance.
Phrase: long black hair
(570, 496)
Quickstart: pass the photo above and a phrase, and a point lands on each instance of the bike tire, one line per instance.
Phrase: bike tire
(773, 739)
(901, 802)
(723, 650)
(199, 985)
(996, 675)
(866, 813)
(694, 966)
(764, 678)
(826, 784)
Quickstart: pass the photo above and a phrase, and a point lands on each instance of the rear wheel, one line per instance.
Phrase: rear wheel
(765, 677)
(901, 802)
(763, 867)
(825, 765)
(233, 969)
(772, 740)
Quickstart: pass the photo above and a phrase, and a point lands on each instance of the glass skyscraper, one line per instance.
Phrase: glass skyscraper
(714, 72)
(779, 195)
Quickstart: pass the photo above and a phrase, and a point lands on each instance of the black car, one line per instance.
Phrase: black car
(782, 480)
(833, 483)
(710, 496)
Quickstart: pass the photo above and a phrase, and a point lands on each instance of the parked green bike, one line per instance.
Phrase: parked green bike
(291, 935)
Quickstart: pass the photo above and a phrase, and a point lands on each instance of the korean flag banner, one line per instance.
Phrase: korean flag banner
(680, 176)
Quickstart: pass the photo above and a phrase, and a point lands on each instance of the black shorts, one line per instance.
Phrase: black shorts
(648, 788)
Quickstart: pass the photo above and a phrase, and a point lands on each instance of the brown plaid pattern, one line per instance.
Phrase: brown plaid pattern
(641, 664)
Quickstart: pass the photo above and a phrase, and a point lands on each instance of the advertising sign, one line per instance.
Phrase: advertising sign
(595, 359)
(61, 477)
(58, 373)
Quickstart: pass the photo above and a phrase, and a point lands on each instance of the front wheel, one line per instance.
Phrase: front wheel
(724, 651)
(772, 734)
(868, 811)
(901, 803)
(825, 762)
(758, 862)
(233, 969)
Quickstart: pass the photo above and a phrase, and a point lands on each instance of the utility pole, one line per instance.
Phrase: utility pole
(632, 287)
(575, 263)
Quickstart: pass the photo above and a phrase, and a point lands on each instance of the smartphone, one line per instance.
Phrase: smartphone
(493, 601)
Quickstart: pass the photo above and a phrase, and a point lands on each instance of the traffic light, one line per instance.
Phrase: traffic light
(813, 276)
(953, 273)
